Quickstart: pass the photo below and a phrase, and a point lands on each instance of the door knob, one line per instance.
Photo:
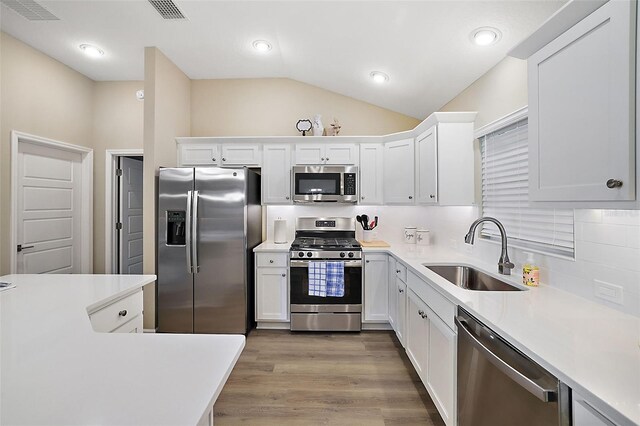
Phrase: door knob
(614, 183)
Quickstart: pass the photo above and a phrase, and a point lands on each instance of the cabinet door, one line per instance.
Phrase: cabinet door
(341, 154)
(375, 288)
(398, 172)
(584, 414)
(276, 176)
(417, 335)
(199, 155)
(401, 316)
(310, 154)
(427, 166)
(392, 291)
(371, 173)
(240, 155)
(581, 110)
(272, 295)
(441, 373)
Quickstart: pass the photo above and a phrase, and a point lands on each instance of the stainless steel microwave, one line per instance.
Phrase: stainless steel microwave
(317, 184)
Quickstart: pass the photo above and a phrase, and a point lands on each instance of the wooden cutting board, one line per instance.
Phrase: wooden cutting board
(377, 243)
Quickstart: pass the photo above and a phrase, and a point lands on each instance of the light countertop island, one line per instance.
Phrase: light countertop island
(55, 369)
(591, 347)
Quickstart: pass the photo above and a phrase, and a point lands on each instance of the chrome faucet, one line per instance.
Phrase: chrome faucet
(504, 264)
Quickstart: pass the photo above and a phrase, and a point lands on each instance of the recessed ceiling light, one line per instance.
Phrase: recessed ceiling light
(262, 46)
(379, 77)
(91, 51)
(485, 36)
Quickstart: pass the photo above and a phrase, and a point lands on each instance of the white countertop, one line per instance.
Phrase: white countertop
(592, 348)
(54, 369)
(270, 246)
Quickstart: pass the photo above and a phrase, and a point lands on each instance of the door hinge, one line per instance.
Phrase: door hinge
(118, 172)
(118, 226)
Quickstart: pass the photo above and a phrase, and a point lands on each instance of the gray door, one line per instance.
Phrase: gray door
(220, 299)
(175, 280)
(130, 261)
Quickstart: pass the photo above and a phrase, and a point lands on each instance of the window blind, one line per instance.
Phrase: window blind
(505, 196)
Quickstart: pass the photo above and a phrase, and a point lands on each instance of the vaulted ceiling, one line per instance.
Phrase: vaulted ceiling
(423, 46)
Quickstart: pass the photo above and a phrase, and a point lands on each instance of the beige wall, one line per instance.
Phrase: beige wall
(502, 90)
(166, 115)
(272, 106)
(43, 97)
(117, 124)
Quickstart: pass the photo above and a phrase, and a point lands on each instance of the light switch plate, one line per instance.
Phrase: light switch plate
(609, 292)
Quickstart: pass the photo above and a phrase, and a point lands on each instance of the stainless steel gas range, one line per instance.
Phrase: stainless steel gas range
(326, 244)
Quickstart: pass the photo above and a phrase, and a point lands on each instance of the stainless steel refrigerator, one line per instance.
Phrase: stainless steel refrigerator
(209, 221)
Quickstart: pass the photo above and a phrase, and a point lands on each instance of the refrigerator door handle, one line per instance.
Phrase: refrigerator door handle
(194, 237)
(188, 231)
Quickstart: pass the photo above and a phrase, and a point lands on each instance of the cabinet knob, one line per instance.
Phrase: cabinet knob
(411, 197)
(423, 315)
(432, 196)
(224, 159)
(401, 290)
(366, 261)
(420, 312)
(287, 197)
(327, 158)
(362, 198)
(213, 159)
(614, 183)
(397, 271)
(122, 313)
(271, 261)
(322, 159)
(284, 275)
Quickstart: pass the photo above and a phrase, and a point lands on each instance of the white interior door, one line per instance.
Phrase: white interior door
(49, 210)
(131, 216)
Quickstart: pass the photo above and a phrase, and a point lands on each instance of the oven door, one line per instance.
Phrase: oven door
(299, 276)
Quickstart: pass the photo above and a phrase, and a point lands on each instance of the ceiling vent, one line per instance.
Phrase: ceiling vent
(167, 9)
(30, 10)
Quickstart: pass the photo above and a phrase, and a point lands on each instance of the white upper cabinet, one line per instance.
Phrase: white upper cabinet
(582, 100)
(427, 166)
(236, 154)
(371, 173)
(276, 174)
(198, 155)
(398, 172)
(314, 154)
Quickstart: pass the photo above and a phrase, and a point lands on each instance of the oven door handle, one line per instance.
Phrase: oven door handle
(305, 263)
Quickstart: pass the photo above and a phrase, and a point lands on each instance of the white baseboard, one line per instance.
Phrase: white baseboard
(376, 326)
(273, 326)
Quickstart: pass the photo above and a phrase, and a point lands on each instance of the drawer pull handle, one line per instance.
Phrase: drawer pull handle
(614, 183)
(271, 261)
(122, 313)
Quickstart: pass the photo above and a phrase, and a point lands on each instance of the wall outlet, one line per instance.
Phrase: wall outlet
(609, 292)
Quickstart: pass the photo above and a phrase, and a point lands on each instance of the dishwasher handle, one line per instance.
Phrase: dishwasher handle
(539, 392)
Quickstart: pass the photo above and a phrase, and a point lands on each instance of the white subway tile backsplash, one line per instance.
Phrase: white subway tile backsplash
(601, 233)
(633, 237)
(622, 217)
(593, 216)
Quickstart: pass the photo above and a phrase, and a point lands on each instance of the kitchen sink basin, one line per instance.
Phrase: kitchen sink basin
(470, 278)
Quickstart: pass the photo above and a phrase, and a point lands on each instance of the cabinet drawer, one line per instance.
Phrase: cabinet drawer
(439, 304)
(118, 313)
(271, 259)
(401, 271)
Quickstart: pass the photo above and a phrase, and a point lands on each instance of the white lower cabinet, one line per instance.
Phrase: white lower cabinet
(124, 315)
(441, 369)
(584, 414)
(375, 288)
(401, 310)
(392, 291)
(272, 288)
(417, 335)
(272, 295)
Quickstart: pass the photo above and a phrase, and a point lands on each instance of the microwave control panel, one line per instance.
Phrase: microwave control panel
(349, 184)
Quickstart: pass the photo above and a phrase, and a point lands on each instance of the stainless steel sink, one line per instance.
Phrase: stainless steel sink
(470, 278)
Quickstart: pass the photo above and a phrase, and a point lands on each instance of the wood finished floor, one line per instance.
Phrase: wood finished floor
(285, 378)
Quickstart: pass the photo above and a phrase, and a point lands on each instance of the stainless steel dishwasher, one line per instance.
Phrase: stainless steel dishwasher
(499, 385)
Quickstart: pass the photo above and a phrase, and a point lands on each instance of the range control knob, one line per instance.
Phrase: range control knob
(301, 254)
(342, 254)
(351, 254)
(309, 254)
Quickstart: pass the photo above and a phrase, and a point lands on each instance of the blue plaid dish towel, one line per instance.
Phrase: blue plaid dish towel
(335, 279)
(318, 279)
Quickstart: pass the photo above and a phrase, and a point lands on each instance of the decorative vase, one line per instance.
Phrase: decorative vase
(318, 128)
